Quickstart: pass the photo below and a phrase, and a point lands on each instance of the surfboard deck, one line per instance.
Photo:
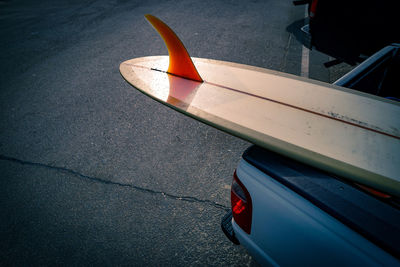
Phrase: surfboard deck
(345, 132)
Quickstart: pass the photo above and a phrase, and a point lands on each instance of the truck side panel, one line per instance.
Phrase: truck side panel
(288, 229)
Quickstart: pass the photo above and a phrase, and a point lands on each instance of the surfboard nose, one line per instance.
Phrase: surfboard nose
(180, 63)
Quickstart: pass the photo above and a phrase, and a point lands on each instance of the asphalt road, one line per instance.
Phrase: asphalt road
(92, 172)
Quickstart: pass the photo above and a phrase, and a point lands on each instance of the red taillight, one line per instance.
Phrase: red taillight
(313, 8)
(241, 204)
(239, 207)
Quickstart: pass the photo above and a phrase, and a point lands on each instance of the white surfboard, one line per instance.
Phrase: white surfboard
(345, 132)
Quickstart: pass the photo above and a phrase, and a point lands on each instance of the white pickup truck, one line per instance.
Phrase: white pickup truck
(286, 213)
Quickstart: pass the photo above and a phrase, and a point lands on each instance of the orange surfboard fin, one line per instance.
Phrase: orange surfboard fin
(180, 63)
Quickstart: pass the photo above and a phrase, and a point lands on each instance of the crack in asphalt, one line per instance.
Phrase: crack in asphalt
(107, 182)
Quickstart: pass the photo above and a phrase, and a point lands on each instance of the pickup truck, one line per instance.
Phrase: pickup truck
(287, 213)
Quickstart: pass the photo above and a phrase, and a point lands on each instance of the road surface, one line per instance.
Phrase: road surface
(92, 172)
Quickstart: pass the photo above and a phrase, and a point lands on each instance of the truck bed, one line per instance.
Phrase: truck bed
(378, 220)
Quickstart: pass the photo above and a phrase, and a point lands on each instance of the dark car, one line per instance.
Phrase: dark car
(348, 29)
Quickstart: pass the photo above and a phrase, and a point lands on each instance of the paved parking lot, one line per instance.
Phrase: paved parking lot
(94, 172)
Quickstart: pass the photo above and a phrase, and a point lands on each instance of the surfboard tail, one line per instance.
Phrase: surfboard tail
(180, 63)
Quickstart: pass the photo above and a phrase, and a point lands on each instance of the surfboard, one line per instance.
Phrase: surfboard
(345, 132)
